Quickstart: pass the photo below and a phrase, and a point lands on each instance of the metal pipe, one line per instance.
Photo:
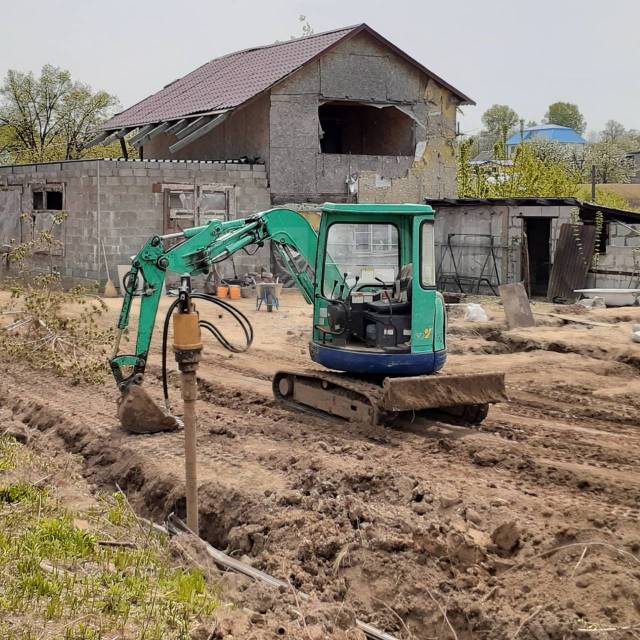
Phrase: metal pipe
(98, 221)
(171, 236)
(189, 395)
(187, 347)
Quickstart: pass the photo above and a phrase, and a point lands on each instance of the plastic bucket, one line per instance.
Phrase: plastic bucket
(234, 291)
(222, 292)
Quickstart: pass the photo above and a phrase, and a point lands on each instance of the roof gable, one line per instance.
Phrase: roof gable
(229, 81)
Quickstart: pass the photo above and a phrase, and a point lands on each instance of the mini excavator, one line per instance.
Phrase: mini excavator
(379, 324)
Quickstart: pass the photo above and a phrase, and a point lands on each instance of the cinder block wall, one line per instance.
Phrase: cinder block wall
(619, 266)
(504, 224)
(130, 210)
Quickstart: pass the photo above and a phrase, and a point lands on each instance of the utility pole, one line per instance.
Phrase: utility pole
(187, 348)
(593, 183)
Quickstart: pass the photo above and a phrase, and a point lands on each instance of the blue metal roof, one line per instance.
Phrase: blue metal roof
(549, 132)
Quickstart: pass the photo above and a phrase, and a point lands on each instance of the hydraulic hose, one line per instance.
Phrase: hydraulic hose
(238, 316)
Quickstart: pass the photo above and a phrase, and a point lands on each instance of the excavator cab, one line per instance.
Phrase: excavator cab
(379, 320)
(376, 309)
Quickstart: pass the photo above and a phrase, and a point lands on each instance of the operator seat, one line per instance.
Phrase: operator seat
(401, 302)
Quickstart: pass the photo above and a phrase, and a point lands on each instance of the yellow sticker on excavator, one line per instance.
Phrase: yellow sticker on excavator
(426, 333)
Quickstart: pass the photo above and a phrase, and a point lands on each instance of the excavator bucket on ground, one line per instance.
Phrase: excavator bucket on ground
(138, 413)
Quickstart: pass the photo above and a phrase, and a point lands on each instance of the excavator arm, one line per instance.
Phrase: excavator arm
(289, 232)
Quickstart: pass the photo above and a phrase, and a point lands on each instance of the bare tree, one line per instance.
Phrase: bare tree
(49, 117)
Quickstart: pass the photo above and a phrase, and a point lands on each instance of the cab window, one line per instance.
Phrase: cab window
(369, 251)
(427, 255)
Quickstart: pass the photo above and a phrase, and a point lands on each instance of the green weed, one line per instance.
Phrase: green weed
(9, 448)
(52, 572)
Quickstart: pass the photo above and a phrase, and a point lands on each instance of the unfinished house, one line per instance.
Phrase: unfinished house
(482, 243)
(338, 116)
(341, 116)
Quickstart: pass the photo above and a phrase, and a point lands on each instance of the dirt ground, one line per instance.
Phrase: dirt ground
(527, 527)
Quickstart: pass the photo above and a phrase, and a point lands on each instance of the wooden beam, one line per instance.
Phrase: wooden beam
(176, 126)
(115, 135)
(198, 122)
(97, 140)
(194, 135)
(141, 133)
(153, 133)
(592, 323)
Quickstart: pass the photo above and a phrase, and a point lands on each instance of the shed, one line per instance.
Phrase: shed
(484, 242)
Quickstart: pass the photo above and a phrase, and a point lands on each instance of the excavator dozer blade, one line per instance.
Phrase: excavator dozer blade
(442, 390)
(465, 397)
(138, 413)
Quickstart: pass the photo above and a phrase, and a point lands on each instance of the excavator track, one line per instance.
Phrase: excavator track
(335, 394)
(459, 398)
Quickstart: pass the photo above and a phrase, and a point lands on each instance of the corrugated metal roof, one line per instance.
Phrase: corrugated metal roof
(229, 81)
(549, 132)
(589, 208)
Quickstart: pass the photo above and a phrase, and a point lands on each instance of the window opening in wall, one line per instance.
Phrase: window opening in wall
(38, 201)
(181, 204)
(47, 200)
(54, 200)
(213, 205)
(362, 129)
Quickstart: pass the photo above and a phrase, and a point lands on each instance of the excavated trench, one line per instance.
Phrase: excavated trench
(396, 525)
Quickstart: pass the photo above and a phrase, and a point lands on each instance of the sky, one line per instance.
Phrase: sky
(524, 53)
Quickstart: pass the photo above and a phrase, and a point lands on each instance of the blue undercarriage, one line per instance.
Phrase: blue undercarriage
(376, 363)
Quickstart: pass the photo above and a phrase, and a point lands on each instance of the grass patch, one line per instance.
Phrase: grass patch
(9, 448)
(57, 581)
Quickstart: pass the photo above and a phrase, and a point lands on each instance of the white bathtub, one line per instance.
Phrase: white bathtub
(612, 297)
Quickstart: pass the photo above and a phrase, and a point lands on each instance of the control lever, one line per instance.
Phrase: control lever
(355, 284)
(335, 284)
(343, 285)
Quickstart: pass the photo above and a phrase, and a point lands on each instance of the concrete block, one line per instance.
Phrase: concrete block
(140, 172)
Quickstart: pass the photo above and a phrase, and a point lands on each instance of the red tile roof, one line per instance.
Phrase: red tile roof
(229, 81)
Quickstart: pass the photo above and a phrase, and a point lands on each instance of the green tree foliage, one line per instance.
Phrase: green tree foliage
(525, 175)
(604, 197)
(6, 140)
(615, 133)
(49, 117)
(498, 118)
(566, 114)
(608, 157)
